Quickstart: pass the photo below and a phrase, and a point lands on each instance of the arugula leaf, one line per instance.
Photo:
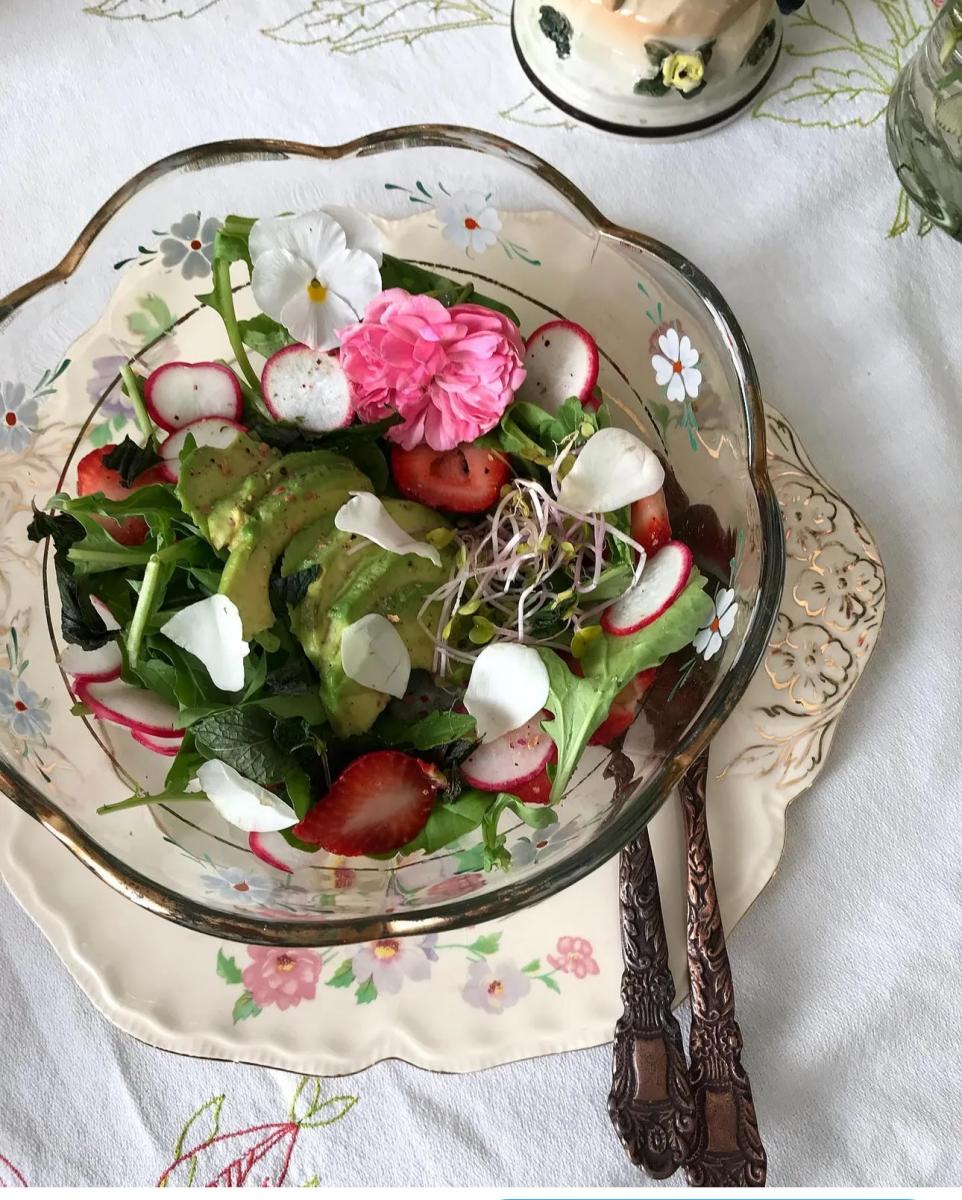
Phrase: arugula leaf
(435, 729)
(130, 460)
(370, 460)
(537, 816)
(156, 502)
(184, 766)
(531, 433)
(156, 675)
(579, 705)
(244, 739)
(264, 335)
(306, 706)
(288, 437)
(395, 272)
(448, 822)
(80, 623)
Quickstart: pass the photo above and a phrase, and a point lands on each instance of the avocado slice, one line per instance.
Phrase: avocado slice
(208, 475)
(301, 499)
(229, 514)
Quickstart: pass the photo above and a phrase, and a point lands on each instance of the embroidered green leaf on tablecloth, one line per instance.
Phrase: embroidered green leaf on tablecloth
(827, 97)
(350, 26)
(310, 1111)
(200, 1129)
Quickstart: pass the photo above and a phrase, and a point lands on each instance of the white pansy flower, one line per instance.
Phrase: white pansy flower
(708, 640)
(676, 366)
(317, 272)
(469, 221)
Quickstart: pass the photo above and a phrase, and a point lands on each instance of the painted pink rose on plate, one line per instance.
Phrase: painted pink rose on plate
(449, 372)
(574, 957)
(281, 977)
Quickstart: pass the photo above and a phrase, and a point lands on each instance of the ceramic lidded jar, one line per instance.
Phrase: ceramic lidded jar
(648, 68)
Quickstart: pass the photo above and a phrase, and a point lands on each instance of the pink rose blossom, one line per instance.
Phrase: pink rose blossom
(449, 372)
(574, 957)
(281, 977)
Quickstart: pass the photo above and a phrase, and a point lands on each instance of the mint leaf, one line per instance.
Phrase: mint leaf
(579, 705)
(130, 460)
(228, 969)
(263, 335)
(395, 272)
(435, 729)
(244, 739)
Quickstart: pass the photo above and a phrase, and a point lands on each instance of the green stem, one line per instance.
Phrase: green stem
(223, 286)
(132, 388)
(145, 605)
(140, 801)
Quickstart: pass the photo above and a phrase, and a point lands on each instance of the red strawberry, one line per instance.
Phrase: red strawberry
(379, 802)
(467, 479)
(649, 522)
(535, 791)
(624, 708)
(93, 476)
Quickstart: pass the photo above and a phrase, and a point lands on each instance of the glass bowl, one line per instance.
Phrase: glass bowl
(130, 281)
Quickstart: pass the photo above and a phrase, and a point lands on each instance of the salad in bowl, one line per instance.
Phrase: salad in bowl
(379, 578)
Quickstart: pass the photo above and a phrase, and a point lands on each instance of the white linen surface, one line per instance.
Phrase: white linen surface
(847, 967)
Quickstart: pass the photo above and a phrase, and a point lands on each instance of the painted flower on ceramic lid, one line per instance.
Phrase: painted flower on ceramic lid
(449, 372)
(317, 272)
(468, 220)
(676, 366)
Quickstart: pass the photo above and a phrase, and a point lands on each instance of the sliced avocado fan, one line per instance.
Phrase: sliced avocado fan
(208, 476)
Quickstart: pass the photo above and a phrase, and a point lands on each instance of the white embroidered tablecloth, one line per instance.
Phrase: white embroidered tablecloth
(844, 968)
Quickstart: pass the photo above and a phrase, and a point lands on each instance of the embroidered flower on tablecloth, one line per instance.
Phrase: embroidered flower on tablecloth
(389, 961)
(838, 586)
(282, 977)
(469, 221)
(18, 418)
(237, 884)
(23, 711)
(710, 638)
(495, 986)
(574, 957)
(190, 245)
(807, 516)
(676, 366)
(810, 664)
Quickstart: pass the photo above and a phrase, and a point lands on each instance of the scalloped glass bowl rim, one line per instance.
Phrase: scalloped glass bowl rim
(633, 817)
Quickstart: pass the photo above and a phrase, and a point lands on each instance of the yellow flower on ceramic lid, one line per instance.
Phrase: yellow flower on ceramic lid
(317, 272)
(683, 71)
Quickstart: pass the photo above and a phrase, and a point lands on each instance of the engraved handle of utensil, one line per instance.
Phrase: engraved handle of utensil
(650, 1103)
(728, 1150)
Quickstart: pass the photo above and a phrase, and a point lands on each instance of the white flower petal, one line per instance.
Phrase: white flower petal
(456, 232)
(508, 685)
(316, 323)
(714, 645)
(613, 469)
(691, 381)
(663, 369)
(726, 621)
(365, 515)
(211, 630)
(355, 279)
(359, 229)
(373, 654)
(278, 275)
(669, 344)
(271, 233)
(702, 638)
(723, 601)
(489, 219)
(687, 354)
(316, 238)
(676, 388)
(241, 802)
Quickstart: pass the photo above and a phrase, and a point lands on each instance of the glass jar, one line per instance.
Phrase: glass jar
(924, 123)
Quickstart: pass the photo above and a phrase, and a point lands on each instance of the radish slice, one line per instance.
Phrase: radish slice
(508, 686)
(272, 849)
(661, 583)
(308, 388)
(133, 707)
(512, 759)
(613, 468)
(561, 360)
(92, 666)
(165, 746)
(178, 394)
(242, 802)
(106, 615)
(208, 431)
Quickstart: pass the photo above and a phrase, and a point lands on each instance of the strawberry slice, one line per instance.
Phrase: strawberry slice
(649, 522)
(378, 803)
(535, 791)
(624, 708)
(467, 479)
(93, 476)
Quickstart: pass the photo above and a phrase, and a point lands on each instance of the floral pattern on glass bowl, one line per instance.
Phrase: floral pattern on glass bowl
(187, 864)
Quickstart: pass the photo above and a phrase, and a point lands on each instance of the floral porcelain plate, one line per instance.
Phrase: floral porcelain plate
(541, 981)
